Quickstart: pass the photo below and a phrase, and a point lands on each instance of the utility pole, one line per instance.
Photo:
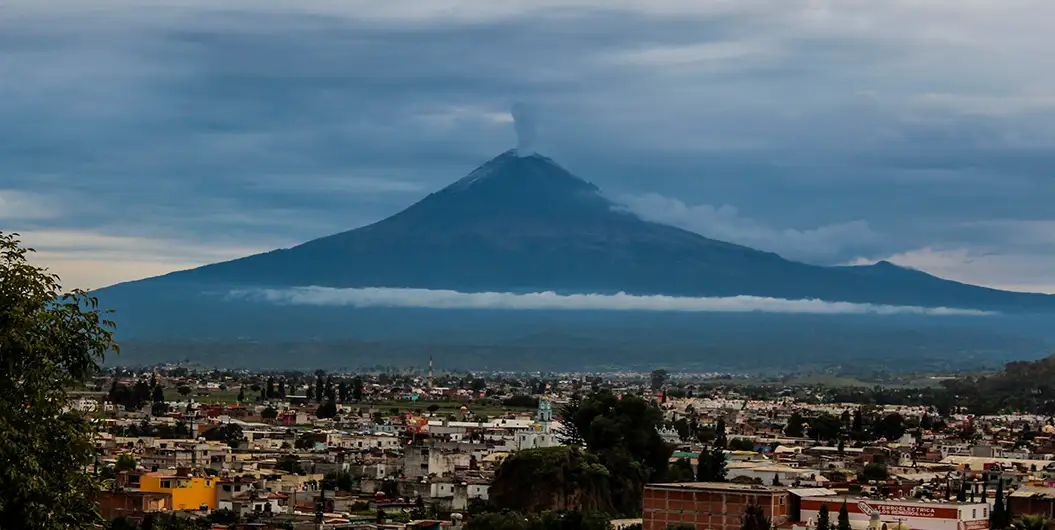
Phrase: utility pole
(320, 508)
(430, 371)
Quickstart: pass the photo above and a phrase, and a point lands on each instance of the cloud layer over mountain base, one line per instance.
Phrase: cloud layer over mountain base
(444, 299)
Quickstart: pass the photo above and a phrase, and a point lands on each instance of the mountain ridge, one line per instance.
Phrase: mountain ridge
(524, 223)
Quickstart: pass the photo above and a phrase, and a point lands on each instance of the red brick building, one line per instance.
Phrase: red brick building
(710, 505)
(132, 504)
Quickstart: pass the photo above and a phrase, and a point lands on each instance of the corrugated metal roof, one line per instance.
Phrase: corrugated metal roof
(812, 492)
(1038, 492)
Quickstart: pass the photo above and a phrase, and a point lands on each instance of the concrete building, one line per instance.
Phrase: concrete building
(710, 505)
(916, 514)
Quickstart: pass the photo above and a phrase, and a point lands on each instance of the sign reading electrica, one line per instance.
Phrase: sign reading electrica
(886, 509)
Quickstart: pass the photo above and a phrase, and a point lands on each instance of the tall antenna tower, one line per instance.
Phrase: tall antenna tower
(430, 371)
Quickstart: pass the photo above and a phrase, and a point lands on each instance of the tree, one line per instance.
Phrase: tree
(741, 444)
(241, 394)
(961, 496)
(794, 427)
(319, 388)
(658, 378)
(269, 391)
(49, 341)
(159, 394)
(327, 410)
(710, 465)
(290, 464)
(680, 471)
(998, 517)
(304, 442)
(269, 413)
(857, 424)
(342, 391)
(184, 390)
(1033, 522)
(754, 518)
(822, 518)
(339, 481)
(558, 478)
(282, 389)
(873, 471)
(844, 518)
(229, 432)
(891, 427)
(623, 435)
(720, 440)
(568, 434)
(357, 388)
(125, 463)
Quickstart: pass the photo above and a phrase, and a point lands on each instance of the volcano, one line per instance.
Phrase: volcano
(525, 224)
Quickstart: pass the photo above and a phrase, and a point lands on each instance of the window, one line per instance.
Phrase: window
(985, 513)
(974, 514)
(166, 484)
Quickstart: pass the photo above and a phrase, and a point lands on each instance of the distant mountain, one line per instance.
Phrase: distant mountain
(525, 224)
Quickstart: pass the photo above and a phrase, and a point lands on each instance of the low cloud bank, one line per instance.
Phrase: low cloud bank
(444, 299)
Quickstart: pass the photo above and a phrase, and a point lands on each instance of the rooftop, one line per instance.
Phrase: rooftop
(719, 486)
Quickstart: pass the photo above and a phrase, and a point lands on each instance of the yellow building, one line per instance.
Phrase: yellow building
(188, 492)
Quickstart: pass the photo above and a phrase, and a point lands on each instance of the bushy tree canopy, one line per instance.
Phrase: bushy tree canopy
(49, 341)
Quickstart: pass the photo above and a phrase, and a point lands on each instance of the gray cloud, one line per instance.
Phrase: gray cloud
(827, 244)
(266, 123)
(442, 299)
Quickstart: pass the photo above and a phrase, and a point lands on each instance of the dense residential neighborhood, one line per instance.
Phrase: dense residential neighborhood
(237, 449)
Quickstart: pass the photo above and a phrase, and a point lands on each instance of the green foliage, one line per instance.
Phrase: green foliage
(549, 520)
(891, 427)
(49, 341)
(327, 410)
(125, 463)
(658, 378)
(623, 433)
(741, 444)
(559, 478)
(305, 441)
(754, 518)
(521, 401)
(823, 523)
(290, 464)
(229, 433)
(998, 517)
(710, 466)
(680, 471)
(873, 471)
(339, 481)
(1022, 386)
(1033, 522)
(269, 413)
(844, 518)
(794, 427)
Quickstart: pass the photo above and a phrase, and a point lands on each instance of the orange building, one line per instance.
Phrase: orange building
(188, 492)
(710, 505)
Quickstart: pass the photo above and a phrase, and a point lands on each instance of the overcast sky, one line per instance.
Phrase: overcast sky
(143, 136)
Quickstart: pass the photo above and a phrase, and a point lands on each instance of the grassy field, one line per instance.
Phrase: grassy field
(829, 380)
(445, 407)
